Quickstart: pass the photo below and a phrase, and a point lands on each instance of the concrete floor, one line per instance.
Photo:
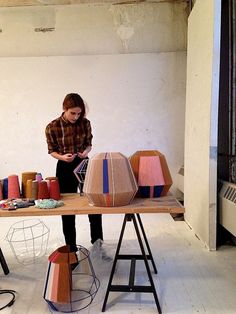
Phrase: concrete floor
(190, 279)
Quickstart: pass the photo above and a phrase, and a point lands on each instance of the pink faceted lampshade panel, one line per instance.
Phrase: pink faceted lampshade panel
(152, 173)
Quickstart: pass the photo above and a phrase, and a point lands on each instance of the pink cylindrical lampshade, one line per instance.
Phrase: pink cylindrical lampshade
(13, 186)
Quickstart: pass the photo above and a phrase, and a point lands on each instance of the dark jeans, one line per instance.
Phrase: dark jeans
(68, 184)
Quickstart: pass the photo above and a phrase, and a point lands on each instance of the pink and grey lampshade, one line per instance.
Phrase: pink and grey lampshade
(152, 173)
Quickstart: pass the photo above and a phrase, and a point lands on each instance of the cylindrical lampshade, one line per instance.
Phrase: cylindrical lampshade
(54, 190)
(43, 192)
(13, 186)
(1, 192)
(28, 192)
(5, 188)
(49, 180)
(26, 176)
(38, 177)
(152, 173)
(109, 180)
(34, 194)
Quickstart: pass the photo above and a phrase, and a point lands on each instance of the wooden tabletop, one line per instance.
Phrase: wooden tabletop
(74, 204)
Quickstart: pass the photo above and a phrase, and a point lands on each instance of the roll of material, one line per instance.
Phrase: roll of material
(48, 183)
(29, 188)
(1, 192)
(38, 177)
(34, 192)
(13, 186)
(54, 190)
(27, 176)
(5, 188)
(49, 179)
(43, 191)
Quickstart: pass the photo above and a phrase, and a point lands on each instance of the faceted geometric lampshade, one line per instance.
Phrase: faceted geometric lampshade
(80, 173)
(71, 283)
(151, 172)
(59, 276)
(80, 170)
(109, 180)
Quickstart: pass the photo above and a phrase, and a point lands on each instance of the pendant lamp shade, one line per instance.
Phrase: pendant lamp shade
(152, 173)
(109, 180)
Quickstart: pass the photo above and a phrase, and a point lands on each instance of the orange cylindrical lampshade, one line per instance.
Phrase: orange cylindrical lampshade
(27, 176)
(34, 193)
(28, 192)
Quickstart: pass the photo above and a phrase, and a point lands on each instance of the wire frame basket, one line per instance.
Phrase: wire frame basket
(28, 240)
(71, 283)
(80, 173)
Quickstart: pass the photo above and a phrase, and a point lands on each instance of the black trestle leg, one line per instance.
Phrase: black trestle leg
(115, 261)
(147, 265)
(147, 244)
(3, 263)
(131, 287)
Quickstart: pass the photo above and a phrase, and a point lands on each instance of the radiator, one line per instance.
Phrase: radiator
(227, 207)
(180, 179)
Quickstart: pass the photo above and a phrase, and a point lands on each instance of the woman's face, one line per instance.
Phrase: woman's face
(72, 114)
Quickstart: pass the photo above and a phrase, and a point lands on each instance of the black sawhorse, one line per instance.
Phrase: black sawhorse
(131, 287)
(3, 263)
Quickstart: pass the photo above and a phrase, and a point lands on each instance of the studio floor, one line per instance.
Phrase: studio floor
(190, 279)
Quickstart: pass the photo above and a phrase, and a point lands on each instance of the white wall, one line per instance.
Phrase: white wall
(93, 29)
(136, 100)
(201, 119)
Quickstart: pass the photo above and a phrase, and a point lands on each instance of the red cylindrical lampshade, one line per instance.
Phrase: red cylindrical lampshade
(54, 189)
(43, 192)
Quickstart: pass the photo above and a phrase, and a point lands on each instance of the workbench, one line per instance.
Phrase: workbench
(74, 204)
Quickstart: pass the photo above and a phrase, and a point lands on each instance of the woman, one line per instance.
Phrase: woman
(69, 140)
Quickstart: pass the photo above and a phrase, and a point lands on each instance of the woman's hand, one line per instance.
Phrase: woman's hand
(68, 157)
(84, 154)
